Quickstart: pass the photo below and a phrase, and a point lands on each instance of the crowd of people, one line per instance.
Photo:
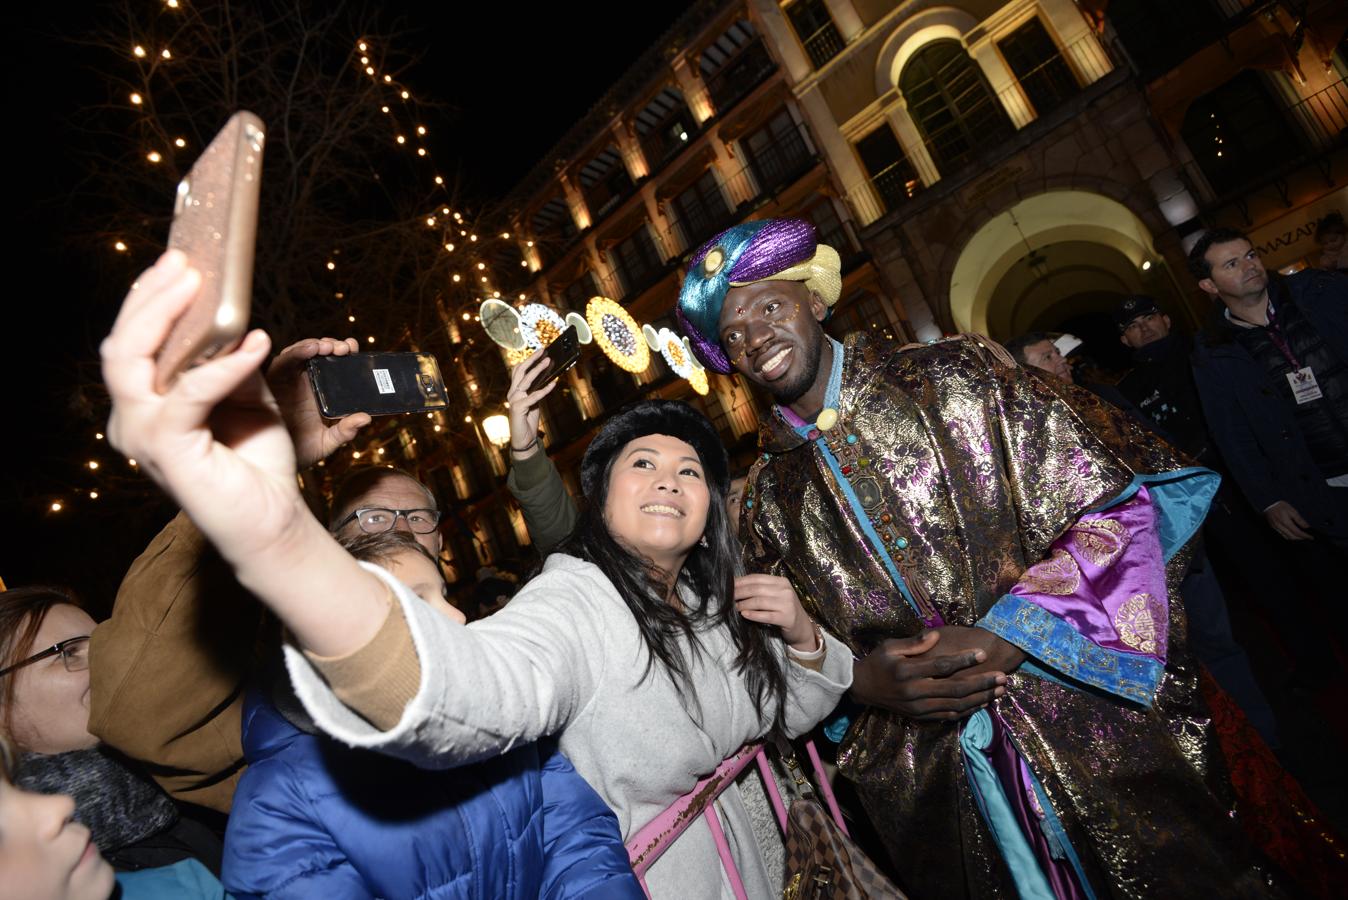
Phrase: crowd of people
(997, 589)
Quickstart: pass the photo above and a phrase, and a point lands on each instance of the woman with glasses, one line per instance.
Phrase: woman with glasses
(44, 707)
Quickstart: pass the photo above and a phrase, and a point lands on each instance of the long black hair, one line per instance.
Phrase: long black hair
(708, 573)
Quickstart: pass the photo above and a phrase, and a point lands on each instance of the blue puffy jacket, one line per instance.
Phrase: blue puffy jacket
(313, 818)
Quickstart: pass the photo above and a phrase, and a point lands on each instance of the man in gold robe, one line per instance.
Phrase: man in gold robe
(998, 552)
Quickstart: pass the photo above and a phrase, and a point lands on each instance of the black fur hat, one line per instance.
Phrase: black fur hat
(669, 417)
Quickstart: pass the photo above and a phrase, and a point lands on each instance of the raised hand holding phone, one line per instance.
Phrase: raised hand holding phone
(315, 437)
(216, 441)
(524, 411)
(215, 438)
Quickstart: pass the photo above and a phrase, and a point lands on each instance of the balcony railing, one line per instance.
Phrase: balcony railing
(823, 45)
(1318, 125)
(776, 166)
(750, 68)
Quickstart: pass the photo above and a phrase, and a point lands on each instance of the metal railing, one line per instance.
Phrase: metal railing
(764, 173)
(823, 45)
(1316, 125)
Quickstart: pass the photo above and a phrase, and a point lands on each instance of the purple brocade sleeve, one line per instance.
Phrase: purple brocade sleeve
(1095, 609)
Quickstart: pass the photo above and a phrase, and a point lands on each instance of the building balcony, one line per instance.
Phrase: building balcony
(765, 173)
(1311, 131)
(951, 153)
(739, 76)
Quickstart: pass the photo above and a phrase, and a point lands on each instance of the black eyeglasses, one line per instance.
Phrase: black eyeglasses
(74, 653)
(377, 520)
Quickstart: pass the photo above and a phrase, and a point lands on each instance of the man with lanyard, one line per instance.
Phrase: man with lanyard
(998, 560)
(1272, 372)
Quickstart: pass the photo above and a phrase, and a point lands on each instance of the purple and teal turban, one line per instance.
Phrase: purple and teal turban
(767, 250)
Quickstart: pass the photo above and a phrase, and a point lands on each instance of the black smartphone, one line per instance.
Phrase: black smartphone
(381, 384)
(561, 354)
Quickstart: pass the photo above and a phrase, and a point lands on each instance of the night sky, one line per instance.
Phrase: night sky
(512, 80)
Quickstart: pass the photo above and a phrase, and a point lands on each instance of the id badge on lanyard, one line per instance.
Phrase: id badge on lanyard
(1302, 380)
(1304, 386)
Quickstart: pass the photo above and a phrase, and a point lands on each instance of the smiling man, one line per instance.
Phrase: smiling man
(1000, 572)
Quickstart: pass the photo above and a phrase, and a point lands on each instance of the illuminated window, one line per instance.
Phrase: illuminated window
(951, 104)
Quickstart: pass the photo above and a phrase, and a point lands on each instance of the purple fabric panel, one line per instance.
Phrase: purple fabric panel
(781, 244)
(1016, 782)
(1106, 578)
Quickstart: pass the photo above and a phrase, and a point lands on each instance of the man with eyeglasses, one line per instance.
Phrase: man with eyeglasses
(382, 499)
(184, 638)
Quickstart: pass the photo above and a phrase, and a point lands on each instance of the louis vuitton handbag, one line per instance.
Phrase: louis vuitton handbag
(822, 862)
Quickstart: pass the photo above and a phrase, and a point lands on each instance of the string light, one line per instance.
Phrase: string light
(138, 51)
(166, 54)
(179, 142)
(98, 435)
(421, 129)
(93, 465)
(137, 99)
(153, 156)
(93, 495)
(56, 506)
(120, 247)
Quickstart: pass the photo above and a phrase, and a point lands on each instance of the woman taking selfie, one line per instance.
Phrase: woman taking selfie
(636, 645)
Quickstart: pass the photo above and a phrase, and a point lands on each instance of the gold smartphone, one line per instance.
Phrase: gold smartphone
(215, 225)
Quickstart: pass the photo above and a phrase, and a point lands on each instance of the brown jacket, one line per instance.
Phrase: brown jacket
(167, 670)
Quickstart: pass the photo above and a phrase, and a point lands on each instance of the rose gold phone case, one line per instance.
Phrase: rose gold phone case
(215, 224)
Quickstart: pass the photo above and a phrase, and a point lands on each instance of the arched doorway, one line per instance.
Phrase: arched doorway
(1061, 261)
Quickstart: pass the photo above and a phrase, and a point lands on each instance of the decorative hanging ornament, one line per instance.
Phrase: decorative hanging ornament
(577, 321)
(672, 349)
(617, 334)
(692, 357)
(698, 379)
(502, 324)
(540, 325)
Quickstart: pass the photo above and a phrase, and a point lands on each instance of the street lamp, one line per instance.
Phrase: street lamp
(497, 428)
